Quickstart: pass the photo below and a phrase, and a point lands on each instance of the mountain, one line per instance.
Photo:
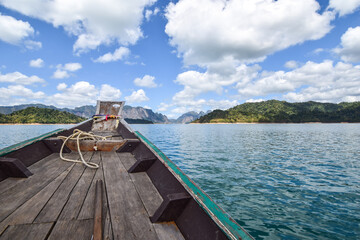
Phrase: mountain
(144, 113)
(189, 117)
(40, 115)
(274, 111)
(88, 111)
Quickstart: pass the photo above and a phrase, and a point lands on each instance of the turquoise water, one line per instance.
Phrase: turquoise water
(279, 181)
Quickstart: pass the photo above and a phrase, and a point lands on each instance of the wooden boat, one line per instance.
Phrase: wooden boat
(135, 193)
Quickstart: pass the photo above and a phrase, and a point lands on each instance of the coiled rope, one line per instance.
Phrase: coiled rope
(80, 135)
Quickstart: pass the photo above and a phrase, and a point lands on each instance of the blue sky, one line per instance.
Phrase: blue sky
(178, 56)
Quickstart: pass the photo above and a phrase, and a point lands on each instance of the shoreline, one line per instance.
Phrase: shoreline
(38, 124)
(285, 123)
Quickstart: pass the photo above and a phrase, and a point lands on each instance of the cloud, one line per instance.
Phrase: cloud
(72, 67)
(213, 80)
(324, 82)
(350, 45)
(19, 78)
(33, 45)
(17, 94)
(37, 63)
(92, 22)
(244, 30)
(61, 86)
(149, 13)
(344, 7)
(60, 74)
(109, 93)
(14, 31)
(146, 81)
(291, 64)
(62, 71)
(82, 93)
(119, 54)
(137, 97)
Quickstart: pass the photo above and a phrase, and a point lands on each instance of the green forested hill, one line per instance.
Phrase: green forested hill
(274, 111)
(40, 115)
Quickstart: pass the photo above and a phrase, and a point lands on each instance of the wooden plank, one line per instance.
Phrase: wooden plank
(14, 197)
(108, 232)
(128, 215)
(35, 169)
(27, 212)
(73, 229)
(98, 221)
(127, 159)
(168, 231)
(149, 195)
(87, 209)
(77, 197)
(53, 207)
(27, 231)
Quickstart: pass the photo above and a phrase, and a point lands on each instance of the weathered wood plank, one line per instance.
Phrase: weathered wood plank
(14, 197)
(127, 159)
(77, 197)
(27, 231)
(73, 229)
(108, 232)
(98, 214)
(168, 231)
(128, 215)
(56, 203)
(87, 209)
(149, 195)
(27, 212)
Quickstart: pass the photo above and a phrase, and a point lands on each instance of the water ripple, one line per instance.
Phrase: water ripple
(279, 181)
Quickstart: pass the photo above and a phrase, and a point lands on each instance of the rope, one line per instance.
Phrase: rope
(80, 135)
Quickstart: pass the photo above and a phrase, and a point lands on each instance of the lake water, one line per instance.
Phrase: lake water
(279, 181)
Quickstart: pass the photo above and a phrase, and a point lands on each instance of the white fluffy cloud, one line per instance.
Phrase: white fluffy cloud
(119, 54)
(19, 78)
(62, 71)
(344, 7)
(137, 97)
(146, 81)
(149, 13)
(82, 93)
(245, 30)
(14, 31)
(350, 45)
(17, 94)
(324, 82)
(109, 93)
(92, 22)
(37, 63)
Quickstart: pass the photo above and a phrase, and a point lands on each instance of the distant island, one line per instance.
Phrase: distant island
(40, 115)
(274, 111)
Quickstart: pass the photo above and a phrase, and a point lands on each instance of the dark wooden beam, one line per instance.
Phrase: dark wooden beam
(13, 167)
(171, 208)
(54, 144)
(98, 223)
(129, 146)
(142, 165)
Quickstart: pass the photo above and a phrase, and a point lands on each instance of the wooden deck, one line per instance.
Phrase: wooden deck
(57, 201)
